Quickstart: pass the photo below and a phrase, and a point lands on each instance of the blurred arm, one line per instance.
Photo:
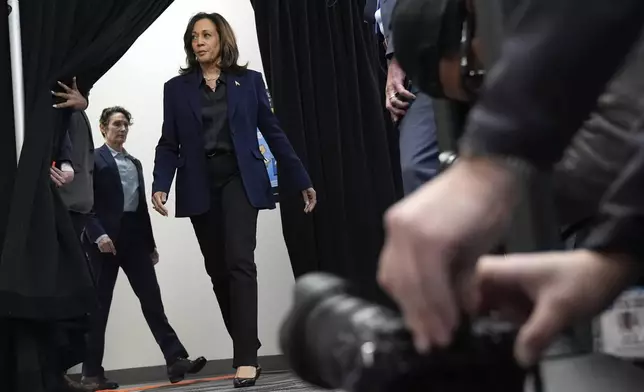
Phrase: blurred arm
(552, 69)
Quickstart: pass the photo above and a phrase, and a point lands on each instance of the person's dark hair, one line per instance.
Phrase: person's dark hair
(107, 114)
(229, 52)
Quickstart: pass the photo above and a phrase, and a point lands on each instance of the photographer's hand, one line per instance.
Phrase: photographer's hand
(434, 238)
(550, 291)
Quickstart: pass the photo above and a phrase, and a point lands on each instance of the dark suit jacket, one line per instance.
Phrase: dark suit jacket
(79, 147)
(108, 201)
(181, 147)
(370, 8)
(65, 151)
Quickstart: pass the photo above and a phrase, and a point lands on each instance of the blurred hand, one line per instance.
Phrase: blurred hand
(310, 200)
(73, 98)
(155, 257)
(158, 202)
(550, 292)
(59, 177)
(433, 239)
(396, 106)
(105, 245)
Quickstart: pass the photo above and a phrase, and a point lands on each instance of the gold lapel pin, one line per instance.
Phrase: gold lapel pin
(237, 83)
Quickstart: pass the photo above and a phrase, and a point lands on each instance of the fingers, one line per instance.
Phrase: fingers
(57, 176)
(64, 105)
(65, 87)
(401, 97)
(440, 294)
(516, 279)
(312, 205)
(405, 94)
(394, 111)
(74, 84)
(107, 246)
(545, 323)
(398, 103)
(419, 282)
(310, 200)
(56, 181)
(61, 95)
(158, 200)
(498, 270)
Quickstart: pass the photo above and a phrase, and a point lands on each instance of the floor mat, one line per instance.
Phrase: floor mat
(268, 382)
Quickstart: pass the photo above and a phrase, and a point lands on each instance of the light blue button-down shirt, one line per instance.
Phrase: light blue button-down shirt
(129, 179)
(378, 16)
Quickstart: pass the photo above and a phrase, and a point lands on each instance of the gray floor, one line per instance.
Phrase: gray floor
(267, 382)
(590, 373)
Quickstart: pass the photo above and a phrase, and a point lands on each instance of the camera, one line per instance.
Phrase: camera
(335, 339)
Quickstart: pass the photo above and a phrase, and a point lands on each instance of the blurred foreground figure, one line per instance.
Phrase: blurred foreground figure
(44, 277)
(535, 99)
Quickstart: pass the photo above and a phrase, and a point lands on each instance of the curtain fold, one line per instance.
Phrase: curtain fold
(44, 277)
(324, 73)
(41, 264)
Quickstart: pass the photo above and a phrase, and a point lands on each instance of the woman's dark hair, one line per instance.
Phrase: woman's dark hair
(228, 50)
(107, 114)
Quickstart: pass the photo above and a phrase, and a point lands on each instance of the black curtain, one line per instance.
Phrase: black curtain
(43, 273)
(324, 71)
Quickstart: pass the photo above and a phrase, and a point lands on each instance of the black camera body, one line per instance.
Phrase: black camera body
(336, 340)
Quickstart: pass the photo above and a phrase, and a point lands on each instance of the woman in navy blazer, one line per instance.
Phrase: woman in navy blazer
(209, 138)
(119, 235)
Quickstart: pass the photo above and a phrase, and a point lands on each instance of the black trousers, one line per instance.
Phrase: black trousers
(227, 235)
(135, 259)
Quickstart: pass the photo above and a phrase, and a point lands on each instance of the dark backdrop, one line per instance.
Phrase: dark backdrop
(44, 277)
(324, 71)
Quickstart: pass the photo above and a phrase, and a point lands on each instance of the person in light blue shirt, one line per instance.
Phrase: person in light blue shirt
(119, 235)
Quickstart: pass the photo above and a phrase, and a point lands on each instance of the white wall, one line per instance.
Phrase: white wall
(136, 82)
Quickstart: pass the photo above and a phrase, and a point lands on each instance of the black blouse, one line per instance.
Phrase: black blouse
(214, 112)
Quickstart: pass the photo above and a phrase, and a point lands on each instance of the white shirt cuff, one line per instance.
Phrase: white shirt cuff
(67, 167)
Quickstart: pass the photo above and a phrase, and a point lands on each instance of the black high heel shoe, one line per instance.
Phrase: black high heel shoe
(247, 382)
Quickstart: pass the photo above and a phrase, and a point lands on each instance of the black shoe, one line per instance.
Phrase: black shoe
(182, 366)
(247, 382)
(98, 383)
(70, 385)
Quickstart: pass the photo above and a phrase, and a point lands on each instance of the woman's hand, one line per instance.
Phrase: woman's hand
(551, 291)
(158, 202)
(310, 200)
(433, 239)
(72, 96)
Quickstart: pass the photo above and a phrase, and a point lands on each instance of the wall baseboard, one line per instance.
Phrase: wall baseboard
(219, 367)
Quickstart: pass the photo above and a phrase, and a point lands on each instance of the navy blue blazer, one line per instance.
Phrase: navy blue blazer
(181, 147)
(108, 201)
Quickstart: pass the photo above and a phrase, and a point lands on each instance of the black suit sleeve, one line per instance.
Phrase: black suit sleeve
(553, 67)
(65, 151)
(621, 222)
